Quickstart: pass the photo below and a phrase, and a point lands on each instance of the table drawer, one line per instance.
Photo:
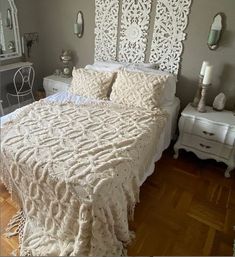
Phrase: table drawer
(207, 146)
(210, 131)
(49, 92)
(55, 85)
(52, 87)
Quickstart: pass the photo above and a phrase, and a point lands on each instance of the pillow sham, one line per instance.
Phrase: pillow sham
(138, 89)
(115, 66)
(153, 66)
(92, 84)
(106, 66)
(170, 86)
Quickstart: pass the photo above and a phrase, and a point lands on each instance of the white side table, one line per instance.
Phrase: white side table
(209, 135)
(54, 84)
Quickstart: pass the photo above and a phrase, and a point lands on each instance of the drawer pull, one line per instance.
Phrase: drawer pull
(208, 133)
(205, 146)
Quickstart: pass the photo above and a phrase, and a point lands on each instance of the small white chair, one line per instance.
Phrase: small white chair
(22, 84)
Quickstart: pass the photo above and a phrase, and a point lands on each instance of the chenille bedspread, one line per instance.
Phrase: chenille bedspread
(76, 172)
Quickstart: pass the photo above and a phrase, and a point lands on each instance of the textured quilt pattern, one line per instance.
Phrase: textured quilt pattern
(76, 173)
(92, 84)
(138, 89)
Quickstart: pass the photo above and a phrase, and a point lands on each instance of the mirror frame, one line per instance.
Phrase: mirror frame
(9, 19)
(216, 45)
(15, 24)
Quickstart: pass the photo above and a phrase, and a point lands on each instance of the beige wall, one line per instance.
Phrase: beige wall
(29, 21)
(54, 20)
(196, 51)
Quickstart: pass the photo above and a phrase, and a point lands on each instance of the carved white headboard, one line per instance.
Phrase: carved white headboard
(123, 28)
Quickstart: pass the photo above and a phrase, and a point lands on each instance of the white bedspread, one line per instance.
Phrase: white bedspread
(76, 170)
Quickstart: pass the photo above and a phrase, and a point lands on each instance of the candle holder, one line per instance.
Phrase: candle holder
(202, 103)
(198, 93)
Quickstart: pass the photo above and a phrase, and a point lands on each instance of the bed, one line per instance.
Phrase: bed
(165, 138)
(75, 166)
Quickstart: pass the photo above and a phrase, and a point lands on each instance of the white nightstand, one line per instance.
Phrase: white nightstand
(54, 84)
(209, 135)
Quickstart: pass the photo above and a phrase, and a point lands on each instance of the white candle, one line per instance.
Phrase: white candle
(76, 29)
(22, 44)
(204, 65)
(208, 75)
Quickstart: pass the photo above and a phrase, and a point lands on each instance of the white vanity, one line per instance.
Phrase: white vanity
(10, 47)
(13, 66)
(10, 43)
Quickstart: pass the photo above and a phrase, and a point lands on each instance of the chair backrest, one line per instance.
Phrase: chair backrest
(24, 76)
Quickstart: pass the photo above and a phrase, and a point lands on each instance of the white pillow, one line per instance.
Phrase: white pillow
(153, 66)
(92, 84)
(115, 66)
(168, 96)
(102, 68)
(138, 89)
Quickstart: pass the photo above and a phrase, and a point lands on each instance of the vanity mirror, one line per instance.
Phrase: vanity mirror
(10, 46)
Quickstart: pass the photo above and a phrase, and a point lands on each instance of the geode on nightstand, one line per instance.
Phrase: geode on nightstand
(219, 102)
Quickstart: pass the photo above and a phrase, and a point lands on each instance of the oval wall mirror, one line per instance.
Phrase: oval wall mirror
(215, 31)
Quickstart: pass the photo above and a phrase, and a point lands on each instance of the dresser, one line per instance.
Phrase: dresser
(54, 84)
(209, 135)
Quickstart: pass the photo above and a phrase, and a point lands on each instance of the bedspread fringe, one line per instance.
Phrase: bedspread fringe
(16, 225)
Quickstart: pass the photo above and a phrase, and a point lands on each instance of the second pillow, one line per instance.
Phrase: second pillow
(92, 84)
(138, 89)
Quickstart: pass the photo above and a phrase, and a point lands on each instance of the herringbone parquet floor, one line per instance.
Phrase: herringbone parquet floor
(186, 207)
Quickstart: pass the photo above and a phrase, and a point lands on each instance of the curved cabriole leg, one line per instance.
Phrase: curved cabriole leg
(176, 155)
(227, 173)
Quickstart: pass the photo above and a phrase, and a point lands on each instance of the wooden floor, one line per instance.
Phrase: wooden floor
(187, 207)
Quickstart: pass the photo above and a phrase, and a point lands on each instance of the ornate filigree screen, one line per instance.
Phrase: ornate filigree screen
(123, 29)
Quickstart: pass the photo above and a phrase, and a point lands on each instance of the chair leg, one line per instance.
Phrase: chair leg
(33, 96)
(1, 109)
(8, 100)
(18, 97)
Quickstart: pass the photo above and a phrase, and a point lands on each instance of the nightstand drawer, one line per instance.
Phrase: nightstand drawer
(210, 131)
(207, 146)
(55, 86)
(210, 135)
